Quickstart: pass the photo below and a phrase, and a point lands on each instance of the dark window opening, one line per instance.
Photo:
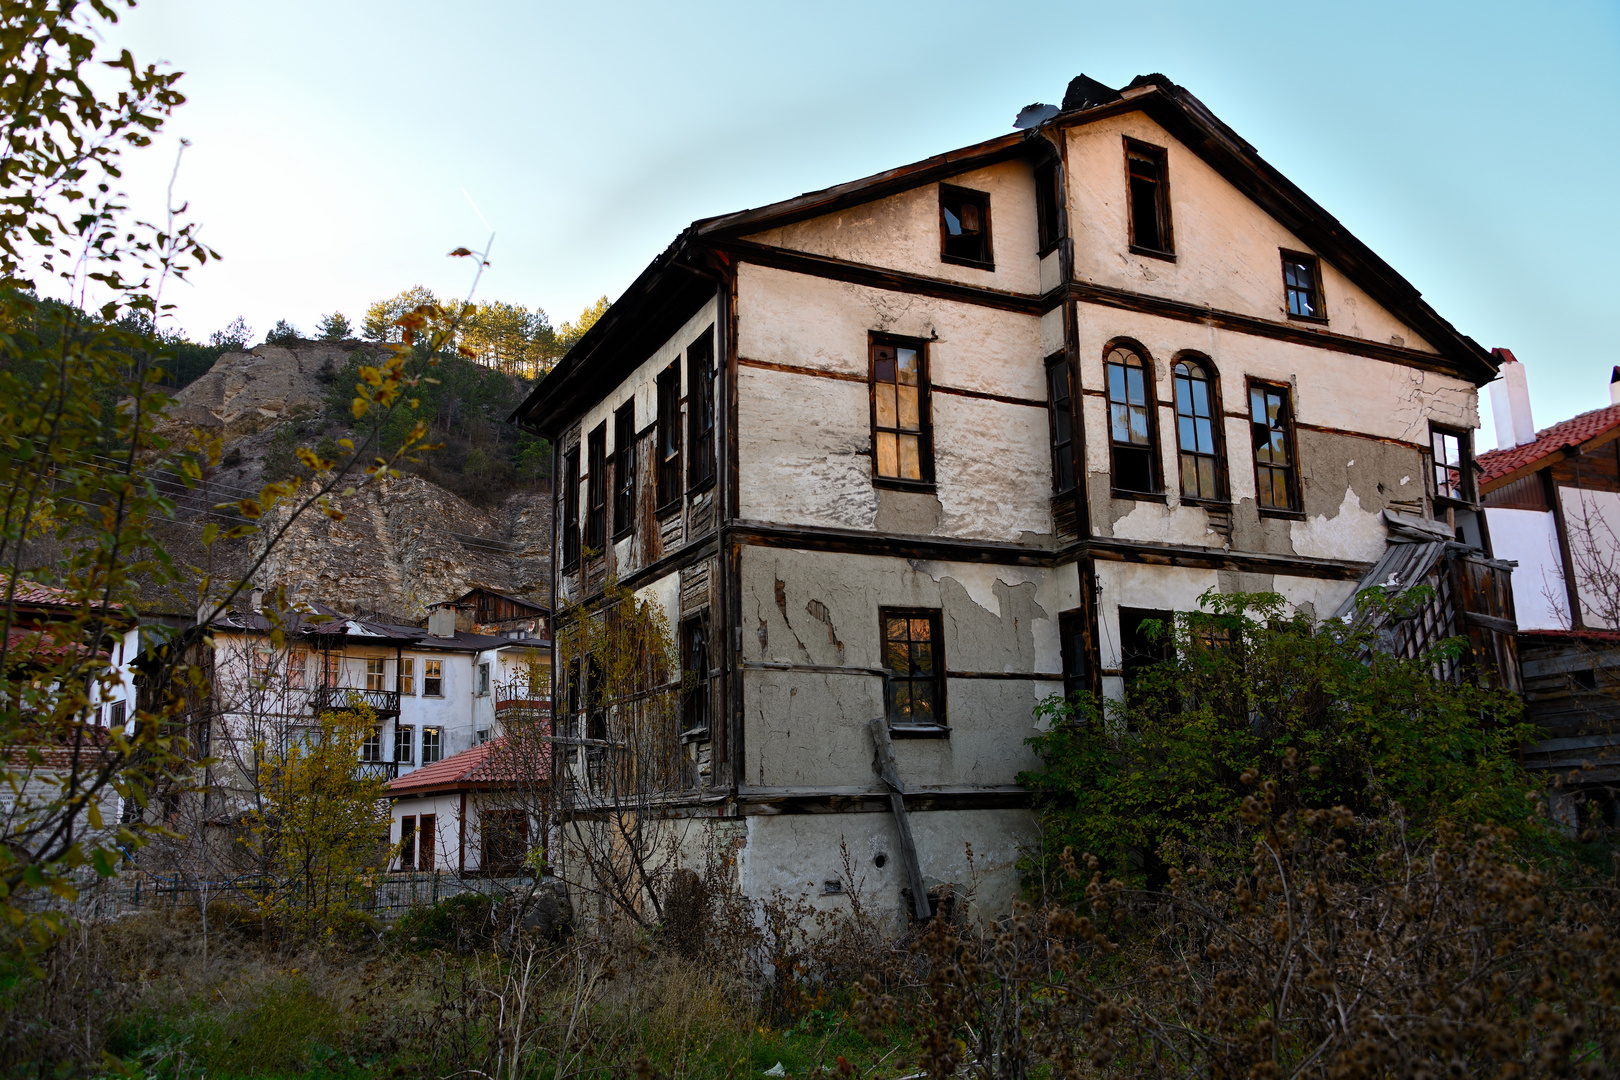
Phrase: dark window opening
(900, 444)
(570, 696)
(1453, 465)
(1071, 630)
(964, 225)
(1198, 431)
(695, 681)
(1585, 679)
(700, 410)
(1057, 385)
(505, 836)
(1131, 421)
(570, 515)
(669, 435)
(596, 698)
(624, 471)
(1046, 206)
(1272, 422)
(1302, 281)
(1144, 637)
(914, 668)
(596, 490)
(407, 842)
(1149, 198)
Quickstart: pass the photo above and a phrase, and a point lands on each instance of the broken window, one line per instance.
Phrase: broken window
(1302, 282)
(624, 471)
(1072, 646)
(695, 673)
(1131, 420)
(1271, 419)
(407, 842)
(570, 514)
(964, 226)
(1047, 227)
(1453, 464)
(407, 676)
(432, 744)
(596, 490)
(297, 668)
(900, 445)
(914, 668)
(404, 743)
(669, 436)
(1149, 190)
(1198, 430)
(700, 410)
(433, 678)
(1057, 385)
(1144, 638)
(376, 674)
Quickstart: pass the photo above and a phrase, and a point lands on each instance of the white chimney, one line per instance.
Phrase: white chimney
(1510, 402)
(256, 600)
(442, 622)
(1614, 387)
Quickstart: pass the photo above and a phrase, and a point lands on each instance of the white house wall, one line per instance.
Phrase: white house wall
(1592, 522)
(1530, 538)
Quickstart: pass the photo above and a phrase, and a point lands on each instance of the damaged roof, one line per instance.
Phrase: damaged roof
(323, 621)
(1499, 467)
(686, 273)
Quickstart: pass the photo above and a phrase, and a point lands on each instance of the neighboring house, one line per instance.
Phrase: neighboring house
(1552, 504)
(931, 446)
(477, 812)
(484, 611)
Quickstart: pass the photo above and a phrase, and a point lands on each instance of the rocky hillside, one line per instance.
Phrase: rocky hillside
(403, 545)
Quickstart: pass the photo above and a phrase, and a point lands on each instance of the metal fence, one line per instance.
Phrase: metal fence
(388, 897)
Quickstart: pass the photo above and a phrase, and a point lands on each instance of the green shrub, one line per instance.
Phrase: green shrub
(461, 923)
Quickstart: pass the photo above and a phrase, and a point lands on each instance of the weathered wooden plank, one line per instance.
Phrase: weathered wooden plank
(890, 772)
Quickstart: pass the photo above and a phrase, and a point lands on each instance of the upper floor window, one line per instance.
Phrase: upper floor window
(297, 663)
(570, 514)
(1148, 198)
(1048, 226)
(596, 489)
(432, 744)
(1057, 386)
(404, 743)
(1276, 473)
(901, 449)
(914, 667)
(483, 679)
(1131, 420)
(1198, 430)
(700, 410)
(371, 749)
(118, 714)
(407, 676)
(376, 674)
(624, 470)
(1302, 281)
(669, 435)
(964, 226)
(433, 678)
(695, 666)
(1072, 648)
(1453, 464)
(331, 669)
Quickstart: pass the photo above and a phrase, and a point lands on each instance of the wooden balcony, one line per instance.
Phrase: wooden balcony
(385, 703)
(377, 770)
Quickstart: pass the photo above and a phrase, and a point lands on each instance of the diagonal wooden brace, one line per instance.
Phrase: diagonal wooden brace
(887, 769)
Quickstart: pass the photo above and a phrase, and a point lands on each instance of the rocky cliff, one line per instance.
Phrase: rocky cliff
(403, 544)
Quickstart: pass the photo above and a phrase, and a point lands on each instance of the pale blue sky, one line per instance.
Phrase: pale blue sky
(1475, 146)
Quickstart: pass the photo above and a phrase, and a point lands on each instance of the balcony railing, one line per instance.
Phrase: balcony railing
(377, 770)
(384, 703)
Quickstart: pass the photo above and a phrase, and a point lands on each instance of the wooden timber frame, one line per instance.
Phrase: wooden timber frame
(702, 264)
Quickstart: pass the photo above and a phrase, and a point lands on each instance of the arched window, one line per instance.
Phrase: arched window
(1130, 420)
(1198, 432)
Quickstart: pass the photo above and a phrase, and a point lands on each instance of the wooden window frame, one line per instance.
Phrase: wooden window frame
(624, 470)
(1059, 413)
(371, 747)
(433, 685)
(1317, 299)
(925, 421)
(697, 713)
(982, 198)
(1465, 466)
(501, 847)
(595, 540)
(406, 678)
(936, 620)
(1048, 208)
(297, 668)
(1072, 650)
(700, 465)
(667, 448)
(1161, 197)
(570, 514)
(1296, 506)
(1217, 423)
(1155, 493)
(483, 679)
(376, 673)
(427, 826)
(407, 842)
(437, 743)
(409, 732)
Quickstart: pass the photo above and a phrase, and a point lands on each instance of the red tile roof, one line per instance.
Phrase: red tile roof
(1571, 432)
(482, 766)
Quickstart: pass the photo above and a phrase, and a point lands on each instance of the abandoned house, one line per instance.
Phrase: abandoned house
(929, 446)
(1552, 504)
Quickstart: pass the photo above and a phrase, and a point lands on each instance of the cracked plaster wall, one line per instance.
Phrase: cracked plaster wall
(1226, 246)
(902, 231)
(808, 728)
(805, 441)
